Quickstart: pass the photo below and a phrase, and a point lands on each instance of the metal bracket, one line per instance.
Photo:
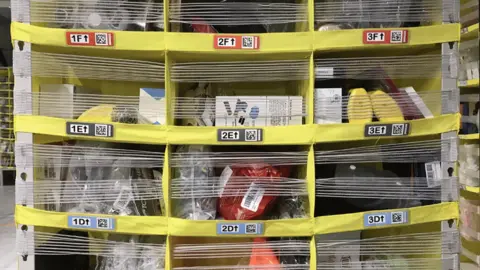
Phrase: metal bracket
(20, 11)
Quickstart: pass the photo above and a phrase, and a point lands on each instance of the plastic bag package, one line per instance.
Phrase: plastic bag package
(195, 176)
(143, 258)
(468, 160)
(121, 15)
(353, 14)
(239, 16)
(253, 204)
(87, 173)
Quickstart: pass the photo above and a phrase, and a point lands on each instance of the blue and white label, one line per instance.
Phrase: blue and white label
(385, 218)
(239, 228)
(96, 223)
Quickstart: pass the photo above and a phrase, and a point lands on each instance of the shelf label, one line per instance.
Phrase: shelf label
(240, 135)
(385, 218)
(89, 129)
(90, 39)
(97, 223)
(385, 36)
(379, 130)
(239, 228)
(236, 42)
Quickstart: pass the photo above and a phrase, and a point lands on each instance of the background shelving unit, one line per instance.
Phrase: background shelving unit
(289, 63)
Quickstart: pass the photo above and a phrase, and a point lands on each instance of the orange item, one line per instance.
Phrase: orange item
(263, 256)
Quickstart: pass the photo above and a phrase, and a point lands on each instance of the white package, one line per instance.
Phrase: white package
(347, 256)
(258, 111)
(234, 111)
(69, 95)
(418, 101)
(328, 105)
(152, 106)
(284, 110)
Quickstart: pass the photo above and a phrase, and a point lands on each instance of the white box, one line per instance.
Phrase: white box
(238, 111)
(152, 106)
(284, 110)
(73, 104)
(347, 256)
(418, 101)
(328, 105)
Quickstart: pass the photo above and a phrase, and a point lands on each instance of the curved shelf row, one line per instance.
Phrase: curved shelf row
(342, 40)
(272, 228)
(295, 135)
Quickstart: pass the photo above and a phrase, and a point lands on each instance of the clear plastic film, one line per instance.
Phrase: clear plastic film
(468, 12)
(469, 59)
(240, 71)
(95, 178)
(380, 189)
(470, 217)
(226, 110)
(351, 250)
(78, 250)
(402, 152)
(423, 66)
(238, 16)
(73, 104)
(87, 67)
(257, 253)
(353, 14)
(468, 156)
(378, 104)
(239, 186)
(119, 15)
(7, 134)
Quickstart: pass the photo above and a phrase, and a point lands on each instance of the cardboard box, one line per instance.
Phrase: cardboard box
(152, 106)
(328, 105)
(258, 111)
(73, 103)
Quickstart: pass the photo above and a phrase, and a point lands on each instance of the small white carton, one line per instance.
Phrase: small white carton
(284, 110)
(152, 106)
(328, 105)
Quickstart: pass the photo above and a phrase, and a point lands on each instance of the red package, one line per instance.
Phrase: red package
(201, 26)
(252, 203)
(263, 256)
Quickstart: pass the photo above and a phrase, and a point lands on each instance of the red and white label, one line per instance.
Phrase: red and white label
(90, 39)
(236, 42)
(385, 36)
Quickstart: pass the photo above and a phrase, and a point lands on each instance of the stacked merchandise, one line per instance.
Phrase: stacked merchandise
(469, 153)
(237, 134)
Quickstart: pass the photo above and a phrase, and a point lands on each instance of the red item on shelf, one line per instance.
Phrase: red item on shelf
(263, 256)
(202, 26)
(250, 204)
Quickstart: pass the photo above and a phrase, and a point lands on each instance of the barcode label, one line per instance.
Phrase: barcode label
(433, 172)
(253, 197)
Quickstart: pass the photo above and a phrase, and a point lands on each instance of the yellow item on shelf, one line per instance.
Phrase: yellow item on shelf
(385, 107)
(101, 114)
(359, 108)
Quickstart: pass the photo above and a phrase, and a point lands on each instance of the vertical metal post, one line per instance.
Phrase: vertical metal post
(23, 151)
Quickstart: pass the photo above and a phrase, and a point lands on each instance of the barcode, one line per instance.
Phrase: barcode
(101, 130)
(398, 129)
(252, 198)
(101, 39)
(247, 42)
(396, 37)
(103, 223)
(397, 217)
